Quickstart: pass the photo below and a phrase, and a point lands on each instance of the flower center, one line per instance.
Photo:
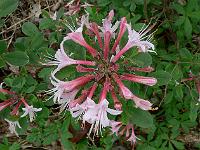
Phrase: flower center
(105, 70)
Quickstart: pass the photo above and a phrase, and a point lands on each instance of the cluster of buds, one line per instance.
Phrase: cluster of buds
(103, 72)
(15, 102)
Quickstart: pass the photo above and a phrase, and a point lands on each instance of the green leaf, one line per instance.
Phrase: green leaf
(46, 23)
(177, 73)
(29, 29)
(17, 58)
(35, 136)
(2, 22)
(44, 113)
(141, 118)
(65, 135)
(178, 92)
(14, 146)
(178, 145)
(169, 97)
(2, 62)
(3, 46)
(103, 3)
(4, 147)
(193, 111)
(50, 134)
(143, 59)
(145, 147)
(7, 7)
(163, 77)
(60, 12)
(19, 82)
(188, 27)
(185, 54)
(44, 73)
(179, 21)
(179, 9)
(194, 15)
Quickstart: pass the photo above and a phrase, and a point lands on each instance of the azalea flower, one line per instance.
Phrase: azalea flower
(77, 37)
(61, 60)
(143, 104)
(131, 135)
(136, 39)
(12, 126)
(97, 116)
(139, 79)
(68, 86)
(54, 16)
(119, 130)
(115, 126)
(29, 110)
(5, 104)
(66, 98)
(101, 71)
(78, 108)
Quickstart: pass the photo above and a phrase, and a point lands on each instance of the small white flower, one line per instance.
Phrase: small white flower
(54, 16)
(66, 98)
(140, 39)
(80, 109)
(12, 126)
(29, 110)
(97, 116)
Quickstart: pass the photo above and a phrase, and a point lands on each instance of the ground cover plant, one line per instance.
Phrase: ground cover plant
(107, 74)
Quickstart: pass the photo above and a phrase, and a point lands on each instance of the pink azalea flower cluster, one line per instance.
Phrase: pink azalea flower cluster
(15, 102)
(101, 72)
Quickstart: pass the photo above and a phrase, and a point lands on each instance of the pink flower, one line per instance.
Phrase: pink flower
(108, 31)
(12, 126)
(145, 69)
(125, 91)
(115, 126)
(121, 33)
(97, 116)
(5, 104)
(117, 103)
(62, 60)
(136, 39)
(29, 110)
(68, 86)
(80, 68)
(66, 98)
(130, 136)
(78, 38)
(140, 79)
(105, 73)
(79, 110)
(107, 25)
(143, 104)
(92, 27)
(15, 111)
